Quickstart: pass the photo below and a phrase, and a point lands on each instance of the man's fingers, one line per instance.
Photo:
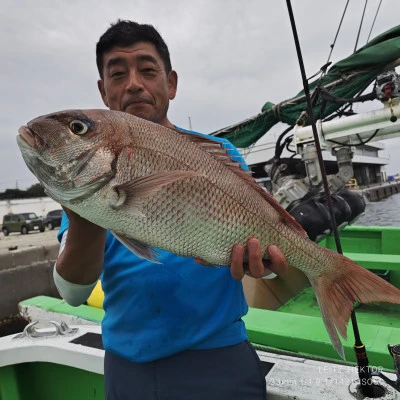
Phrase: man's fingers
(237, 270)
(256, 266)
(254, 260)
(278, 264)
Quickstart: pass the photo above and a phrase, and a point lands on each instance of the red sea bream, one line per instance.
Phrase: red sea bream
(158, 187)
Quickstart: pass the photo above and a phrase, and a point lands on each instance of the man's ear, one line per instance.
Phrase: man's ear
(172, 84)
(100, 85)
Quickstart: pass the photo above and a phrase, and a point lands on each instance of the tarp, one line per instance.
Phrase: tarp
(344, 79)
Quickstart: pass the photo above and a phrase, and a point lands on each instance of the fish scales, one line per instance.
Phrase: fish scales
(190, 194)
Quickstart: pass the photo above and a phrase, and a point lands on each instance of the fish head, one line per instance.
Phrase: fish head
(71, 152)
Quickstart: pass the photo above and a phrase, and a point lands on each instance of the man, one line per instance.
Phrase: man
(171, 330)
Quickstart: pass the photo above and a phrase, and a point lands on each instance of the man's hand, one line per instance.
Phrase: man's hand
(256, 266)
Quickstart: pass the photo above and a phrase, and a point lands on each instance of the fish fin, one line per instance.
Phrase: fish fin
(132, 194)
(286, 218)
(220, 153)
(140, 249)
(337, 291)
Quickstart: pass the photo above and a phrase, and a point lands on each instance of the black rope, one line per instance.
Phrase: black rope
(361, 142)
(373, 22)
(362, 360)
(342, 111)
(339, 100)
(339, 114)
(288, 141)
(359, 29)
(278, 147)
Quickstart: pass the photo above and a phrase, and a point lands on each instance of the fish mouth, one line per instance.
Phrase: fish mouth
(30, 137)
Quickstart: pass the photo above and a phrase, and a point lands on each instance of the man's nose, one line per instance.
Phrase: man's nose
(135, 81)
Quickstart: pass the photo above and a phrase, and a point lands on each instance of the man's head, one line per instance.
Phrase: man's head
(135, 70)
(126, 33)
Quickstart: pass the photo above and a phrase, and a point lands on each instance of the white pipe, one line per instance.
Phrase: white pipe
(353, 127)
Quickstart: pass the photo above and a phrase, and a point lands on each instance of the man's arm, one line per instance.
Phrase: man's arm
(80, 261)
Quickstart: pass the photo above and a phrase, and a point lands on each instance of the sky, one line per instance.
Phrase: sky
(231, 57)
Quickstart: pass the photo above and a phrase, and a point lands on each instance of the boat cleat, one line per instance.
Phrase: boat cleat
(56, 329)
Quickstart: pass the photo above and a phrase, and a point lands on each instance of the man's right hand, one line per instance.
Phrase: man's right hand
(81, 260)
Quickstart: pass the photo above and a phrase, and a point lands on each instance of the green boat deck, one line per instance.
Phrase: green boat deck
(297, 326)
(382, 314)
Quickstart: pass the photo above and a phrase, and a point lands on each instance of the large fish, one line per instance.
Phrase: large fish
(158, 187)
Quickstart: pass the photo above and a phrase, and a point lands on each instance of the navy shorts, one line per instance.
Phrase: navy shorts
(227, 373)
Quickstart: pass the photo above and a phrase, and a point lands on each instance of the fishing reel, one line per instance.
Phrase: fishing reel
(302, 195)
(387, 87)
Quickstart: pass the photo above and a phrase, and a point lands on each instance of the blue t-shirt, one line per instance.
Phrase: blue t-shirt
(156, 310)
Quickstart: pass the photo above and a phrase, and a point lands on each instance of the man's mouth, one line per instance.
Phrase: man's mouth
(136, 103)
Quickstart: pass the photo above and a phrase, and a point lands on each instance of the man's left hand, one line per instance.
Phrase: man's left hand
(255, 263)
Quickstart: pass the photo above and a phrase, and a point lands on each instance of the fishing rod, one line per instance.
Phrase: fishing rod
(364, 371)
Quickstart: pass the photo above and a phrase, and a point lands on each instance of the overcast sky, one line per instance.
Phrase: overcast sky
(231, 57)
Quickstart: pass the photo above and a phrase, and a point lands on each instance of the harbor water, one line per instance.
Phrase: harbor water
(381, 213)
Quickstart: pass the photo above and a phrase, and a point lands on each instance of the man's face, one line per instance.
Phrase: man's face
(135, 82)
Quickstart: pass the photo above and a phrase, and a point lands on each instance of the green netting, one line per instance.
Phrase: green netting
(344, 79)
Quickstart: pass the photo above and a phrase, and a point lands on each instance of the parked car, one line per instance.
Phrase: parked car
(53, 219)
(23, 223)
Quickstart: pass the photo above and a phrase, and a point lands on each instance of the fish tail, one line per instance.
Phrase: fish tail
(337, 291)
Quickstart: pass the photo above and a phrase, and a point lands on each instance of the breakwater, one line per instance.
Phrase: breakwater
(24, 273)
(377, 193)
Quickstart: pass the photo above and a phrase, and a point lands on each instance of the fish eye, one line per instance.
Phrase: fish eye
(78, 127)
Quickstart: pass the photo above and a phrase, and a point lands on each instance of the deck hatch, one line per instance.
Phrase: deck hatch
(266, 366)
(89, 339)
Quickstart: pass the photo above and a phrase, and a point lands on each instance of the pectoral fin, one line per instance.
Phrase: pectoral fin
(133, 194)
(140, 249)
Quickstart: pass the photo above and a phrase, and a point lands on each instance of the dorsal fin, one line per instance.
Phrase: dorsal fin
(215, 149)
(220, 153)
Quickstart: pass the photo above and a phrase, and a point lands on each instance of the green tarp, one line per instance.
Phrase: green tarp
(352, 75)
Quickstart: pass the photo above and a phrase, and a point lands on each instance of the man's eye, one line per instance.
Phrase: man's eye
(116, 74)
(146, 70)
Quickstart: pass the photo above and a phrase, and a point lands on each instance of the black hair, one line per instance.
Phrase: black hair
(125, 33)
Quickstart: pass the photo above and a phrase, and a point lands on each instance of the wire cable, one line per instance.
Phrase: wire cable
(337, 33)
(373, 22)
(361, 22)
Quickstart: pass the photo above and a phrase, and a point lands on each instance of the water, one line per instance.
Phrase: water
(381, 213)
